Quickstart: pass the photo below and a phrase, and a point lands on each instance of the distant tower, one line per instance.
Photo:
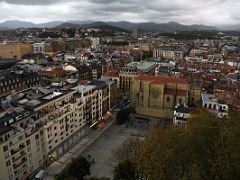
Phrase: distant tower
(135, 33)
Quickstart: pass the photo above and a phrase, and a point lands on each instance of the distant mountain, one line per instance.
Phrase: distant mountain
(3, 28)
(235, 27)
(163, 27)
(15, 24)
(51, 24)
(121, 25)
(81, 22)
(203, 27)
(68, 25)
(99, 25)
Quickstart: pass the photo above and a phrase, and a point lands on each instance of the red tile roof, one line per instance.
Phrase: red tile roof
(58, 70)
(161, 79)
(181, 92)
(83, 82)
(112, 73)
(168, 91)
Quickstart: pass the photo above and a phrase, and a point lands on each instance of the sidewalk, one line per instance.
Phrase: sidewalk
(57, 166)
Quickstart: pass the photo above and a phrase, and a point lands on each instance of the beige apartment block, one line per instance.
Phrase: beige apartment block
(16, 51)
(21, 145)
(47, 123)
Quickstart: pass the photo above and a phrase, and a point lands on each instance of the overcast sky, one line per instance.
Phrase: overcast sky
(210, 12)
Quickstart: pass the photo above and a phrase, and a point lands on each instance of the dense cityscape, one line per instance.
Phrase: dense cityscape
(98, 100)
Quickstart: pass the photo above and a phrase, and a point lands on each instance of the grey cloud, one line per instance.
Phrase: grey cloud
(185, 11)
(32, 2)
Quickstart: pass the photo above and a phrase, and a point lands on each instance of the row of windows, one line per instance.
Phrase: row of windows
(12, 81)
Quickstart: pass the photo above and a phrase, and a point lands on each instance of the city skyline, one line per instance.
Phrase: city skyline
(213, 12)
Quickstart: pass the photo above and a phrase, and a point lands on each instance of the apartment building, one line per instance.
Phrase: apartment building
(39, 47)
(17, 80)
(46, 124)
(168, 54)
(181, 115)
(214, 105)
(21, 144)
(15, 51)
(132, 70)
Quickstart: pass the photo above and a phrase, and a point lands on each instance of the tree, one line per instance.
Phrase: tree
(125, 170)
(127, 150)
(122, 115)
(207, 149)
(163, 155)
(94, 178)
(77, 169)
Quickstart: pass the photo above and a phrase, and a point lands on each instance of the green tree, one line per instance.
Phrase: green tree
(77, 169)
(122, 115)
(127, 150)
(207, 149)
(94, 178)
(125, 170)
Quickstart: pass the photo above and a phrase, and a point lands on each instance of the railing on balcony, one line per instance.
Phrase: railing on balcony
(15, 166)
(19, 157)
(14, 151)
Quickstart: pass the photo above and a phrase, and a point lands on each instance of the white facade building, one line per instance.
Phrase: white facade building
(168, 54)
(39, 48)
(181, 115)
(95, 42)
(212, 104)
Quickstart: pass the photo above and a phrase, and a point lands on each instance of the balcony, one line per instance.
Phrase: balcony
(32, 130)
(48, 123)
(15, 166)
(55, 111)
(14, 151)
(22, 153)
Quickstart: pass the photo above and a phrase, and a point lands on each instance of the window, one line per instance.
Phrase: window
(37, 136)
(28, 142)
(29, 149)
(5, 148)
(38, 149)
(8, 163)
(168, 99)
(180, 100)
(214, 106)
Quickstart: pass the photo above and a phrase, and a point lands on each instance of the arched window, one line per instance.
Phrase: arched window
(168, 99)
(210, 106)
(180, 100)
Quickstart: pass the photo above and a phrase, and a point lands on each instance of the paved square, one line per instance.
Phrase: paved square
(101, 149)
